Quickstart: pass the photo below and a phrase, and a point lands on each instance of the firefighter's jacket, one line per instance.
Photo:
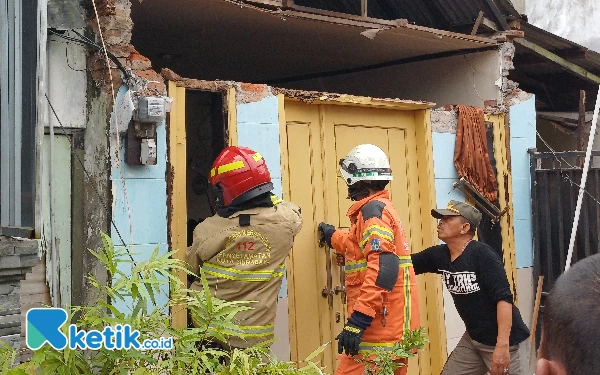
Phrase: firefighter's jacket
(243, 258)
(380, 279)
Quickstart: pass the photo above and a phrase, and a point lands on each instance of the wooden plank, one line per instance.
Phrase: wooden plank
(271, 3)
(364, 8)
(499, 16)
(232, 117)
(477, 22)
(343, 18)
(433, 283)
(363, 101)
(336, 18)
(575, 69)
(178, 207)
(534, 319)
(286, 193)
(581, 124)
(505, 190)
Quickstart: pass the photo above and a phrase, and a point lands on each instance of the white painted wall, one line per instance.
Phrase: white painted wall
(468, 79)
(67, 82)
(575, 20)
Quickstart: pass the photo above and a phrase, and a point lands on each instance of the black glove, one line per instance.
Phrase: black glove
(351, 336)
(325, 233)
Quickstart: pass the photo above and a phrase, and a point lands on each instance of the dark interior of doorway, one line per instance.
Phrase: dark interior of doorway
(206, 124)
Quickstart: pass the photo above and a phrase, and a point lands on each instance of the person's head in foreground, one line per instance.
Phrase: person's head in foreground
(458, 220)
(571, 327)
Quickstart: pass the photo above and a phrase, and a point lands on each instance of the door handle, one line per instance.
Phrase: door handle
(328, 291)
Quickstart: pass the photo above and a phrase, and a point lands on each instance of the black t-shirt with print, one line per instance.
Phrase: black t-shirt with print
(477, 281)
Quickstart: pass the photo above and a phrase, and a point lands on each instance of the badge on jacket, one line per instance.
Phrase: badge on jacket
(375, 244)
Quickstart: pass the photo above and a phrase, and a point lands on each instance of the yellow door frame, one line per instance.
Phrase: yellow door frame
(432, 298)
(504, 177)
(177, 173)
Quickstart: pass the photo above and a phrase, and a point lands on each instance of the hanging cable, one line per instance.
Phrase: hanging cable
(93, 184)
(84, 41)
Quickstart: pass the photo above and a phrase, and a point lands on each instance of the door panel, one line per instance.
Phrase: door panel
(311, 318)
(318, 136)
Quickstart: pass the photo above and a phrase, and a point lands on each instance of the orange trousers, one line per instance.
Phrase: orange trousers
(348, 366)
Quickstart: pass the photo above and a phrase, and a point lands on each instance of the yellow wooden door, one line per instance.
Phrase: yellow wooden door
(316, 137)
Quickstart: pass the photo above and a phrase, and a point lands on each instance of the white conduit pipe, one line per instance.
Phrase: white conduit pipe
(586, 167)
(43, 110)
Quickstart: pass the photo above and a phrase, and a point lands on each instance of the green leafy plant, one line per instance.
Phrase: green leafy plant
(139, 285)
(386, 361)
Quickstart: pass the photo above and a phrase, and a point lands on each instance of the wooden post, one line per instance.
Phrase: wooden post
(363, 8)
(477, 23)
(536, 311)
(581, 125)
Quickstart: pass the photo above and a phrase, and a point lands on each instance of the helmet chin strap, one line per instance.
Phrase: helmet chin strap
(357, 192)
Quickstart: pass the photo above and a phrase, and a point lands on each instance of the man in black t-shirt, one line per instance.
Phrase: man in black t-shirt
(474, 275)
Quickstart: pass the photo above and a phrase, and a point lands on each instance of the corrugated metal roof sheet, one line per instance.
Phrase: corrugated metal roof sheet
(588, 59)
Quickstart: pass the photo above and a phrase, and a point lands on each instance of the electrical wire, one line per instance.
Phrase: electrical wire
(91, 180)
(93, 183)
(560, 160)
(114, 100)
(84, 41)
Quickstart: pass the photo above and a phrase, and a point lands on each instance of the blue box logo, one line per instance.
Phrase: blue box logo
(44, 326)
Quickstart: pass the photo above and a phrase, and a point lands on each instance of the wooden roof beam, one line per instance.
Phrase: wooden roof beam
(569, 66)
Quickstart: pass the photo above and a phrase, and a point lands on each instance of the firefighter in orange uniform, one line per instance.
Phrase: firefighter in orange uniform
(242, 249)
(380, 280)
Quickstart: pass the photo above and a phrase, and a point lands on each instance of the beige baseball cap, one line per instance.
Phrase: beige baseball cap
(456, 208)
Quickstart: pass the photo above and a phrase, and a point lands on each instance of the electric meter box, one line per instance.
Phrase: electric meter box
(151, 109)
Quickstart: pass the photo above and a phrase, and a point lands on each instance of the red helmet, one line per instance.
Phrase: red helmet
(239, 174)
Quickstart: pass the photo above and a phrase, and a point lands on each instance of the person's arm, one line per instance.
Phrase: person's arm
(195, 256)
(295, 217)
(425, 261)
(193, 263)
(501, 354)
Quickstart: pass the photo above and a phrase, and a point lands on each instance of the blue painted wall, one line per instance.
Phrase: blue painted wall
(146, 204)
(522, 137)
(444, 170)
(258, 128)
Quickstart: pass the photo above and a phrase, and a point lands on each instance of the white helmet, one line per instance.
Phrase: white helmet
(365, 163)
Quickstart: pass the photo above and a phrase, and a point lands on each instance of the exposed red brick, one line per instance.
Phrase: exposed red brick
(104, 7)
(155, 81)
(490, 103)
(122, 50)
(139, 62)
(116, 24)
(253, 88)
(170, 75)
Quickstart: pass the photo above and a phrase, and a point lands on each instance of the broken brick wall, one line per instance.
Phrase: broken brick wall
(109, 24)
(111, 20)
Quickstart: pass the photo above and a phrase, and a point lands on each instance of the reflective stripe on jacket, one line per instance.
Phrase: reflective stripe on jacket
(362, 247)
(247, 263)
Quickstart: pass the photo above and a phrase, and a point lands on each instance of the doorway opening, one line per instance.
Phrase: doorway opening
(206, 136)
